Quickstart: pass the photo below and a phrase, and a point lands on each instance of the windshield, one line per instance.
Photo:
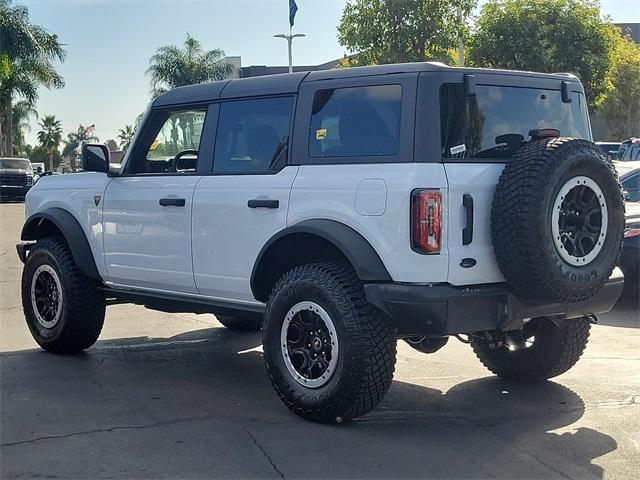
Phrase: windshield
(15, 164)
(496, 122)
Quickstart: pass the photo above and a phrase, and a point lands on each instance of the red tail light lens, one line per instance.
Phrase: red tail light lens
(632, 232)
(426, 221)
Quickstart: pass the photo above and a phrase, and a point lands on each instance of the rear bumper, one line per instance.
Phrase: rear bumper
(443, 309)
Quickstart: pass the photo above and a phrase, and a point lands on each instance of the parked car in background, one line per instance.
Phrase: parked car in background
(629, 173)
(630, 181)
(629, 150)
(610, 149)
(16, 178)
(38, 170)
(625, 169)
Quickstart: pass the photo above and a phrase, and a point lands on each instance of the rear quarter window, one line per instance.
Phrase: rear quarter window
(495, 123)
(356, 122)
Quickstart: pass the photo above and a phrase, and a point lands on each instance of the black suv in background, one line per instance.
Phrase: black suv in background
(16, 178)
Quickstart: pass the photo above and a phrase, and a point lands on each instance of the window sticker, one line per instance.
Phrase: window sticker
(321, 134)
(458, 149)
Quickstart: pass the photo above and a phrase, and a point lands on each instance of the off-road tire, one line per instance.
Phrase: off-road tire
(555, 350)
(521, 221)
(83, 305)
(367, 344)
(248, 322)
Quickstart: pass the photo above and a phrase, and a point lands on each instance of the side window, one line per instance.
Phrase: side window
(170, 143)
(356, 121)
(253, 135)
(632, 187)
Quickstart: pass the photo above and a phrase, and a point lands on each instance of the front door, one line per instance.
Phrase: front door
(147, 209)
(245, 200)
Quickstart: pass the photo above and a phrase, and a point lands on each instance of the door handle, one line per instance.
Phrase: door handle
(174, 202)
(467, 231)
(263, 203)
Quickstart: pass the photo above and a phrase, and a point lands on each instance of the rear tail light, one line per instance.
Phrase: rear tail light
(632, 232)
(426, 221)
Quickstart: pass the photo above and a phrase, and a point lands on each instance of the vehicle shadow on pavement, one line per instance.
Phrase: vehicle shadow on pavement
(200, 405)
(626, 313)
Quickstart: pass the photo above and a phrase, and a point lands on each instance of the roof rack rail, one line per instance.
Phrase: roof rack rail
(566, 74)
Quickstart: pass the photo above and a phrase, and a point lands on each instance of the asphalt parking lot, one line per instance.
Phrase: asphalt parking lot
(167, 396)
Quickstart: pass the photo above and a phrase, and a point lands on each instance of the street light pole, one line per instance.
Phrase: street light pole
(460, 40)
(289, 38)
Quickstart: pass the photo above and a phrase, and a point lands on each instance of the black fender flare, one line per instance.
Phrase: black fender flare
(358, 251)
(72, 232)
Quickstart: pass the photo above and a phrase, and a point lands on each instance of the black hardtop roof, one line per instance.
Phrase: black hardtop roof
(290, 82)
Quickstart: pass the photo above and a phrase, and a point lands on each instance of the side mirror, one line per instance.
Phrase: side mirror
(95, 157)
(626, 195)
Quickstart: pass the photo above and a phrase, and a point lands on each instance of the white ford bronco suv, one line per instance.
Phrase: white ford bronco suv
(340, 211)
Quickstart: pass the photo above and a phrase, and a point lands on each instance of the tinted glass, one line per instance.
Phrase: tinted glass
(253, 135)
(632, 152)
(356, 121)
(14, 163)
(610, 148)
(170, 144)
(496, 122)
(632, 186)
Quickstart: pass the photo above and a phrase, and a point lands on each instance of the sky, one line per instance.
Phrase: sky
(109, 43)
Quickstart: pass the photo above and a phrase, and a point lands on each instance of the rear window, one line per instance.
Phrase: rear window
(494, 124)
(356, 121)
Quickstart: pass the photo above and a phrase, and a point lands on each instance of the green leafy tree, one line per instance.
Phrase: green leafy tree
(73, 142)
(547, 36)
(27, 56)
(50, 137)
(125, 136)
(392, 31)
(172, 66)
(621, 108)
(40, 154)
(111, 144)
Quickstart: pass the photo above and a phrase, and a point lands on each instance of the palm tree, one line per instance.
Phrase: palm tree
(74, 140)
(125, 136)
(21, 113)
(50, 136)
(172, 66)
(27, 53)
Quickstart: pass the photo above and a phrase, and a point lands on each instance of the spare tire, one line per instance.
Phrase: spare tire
(557, 221)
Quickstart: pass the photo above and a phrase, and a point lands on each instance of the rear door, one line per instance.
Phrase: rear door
(479, 134)
(244, 200)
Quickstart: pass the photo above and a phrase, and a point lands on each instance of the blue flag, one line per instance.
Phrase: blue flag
(293, 8)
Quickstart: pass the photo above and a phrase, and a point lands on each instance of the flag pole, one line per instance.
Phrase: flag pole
(290, 41)
(293, 8)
